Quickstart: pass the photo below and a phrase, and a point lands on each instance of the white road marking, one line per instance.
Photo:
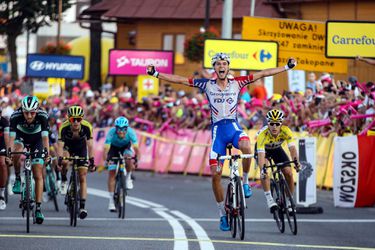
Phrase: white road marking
(179, 235)
(204, 240)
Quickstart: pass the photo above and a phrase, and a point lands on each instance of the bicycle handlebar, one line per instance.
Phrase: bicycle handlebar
(72, 158)
(235, 157)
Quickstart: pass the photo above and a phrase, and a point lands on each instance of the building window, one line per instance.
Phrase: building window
(175, 42)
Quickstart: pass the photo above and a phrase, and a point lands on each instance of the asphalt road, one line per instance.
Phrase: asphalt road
(179, 212)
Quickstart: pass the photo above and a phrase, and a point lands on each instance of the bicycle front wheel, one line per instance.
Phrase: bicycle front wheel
(230, 211)
(27, 200)
(240, 207)
(123, 195)
(290, 215)
(278, 213)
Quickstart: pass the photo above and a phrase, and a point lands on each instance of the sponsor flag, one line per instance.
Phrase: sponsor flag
(354, 171)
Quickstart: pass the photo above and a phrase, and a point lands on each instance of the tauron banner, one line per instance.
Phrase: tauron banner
(346, 168)
(134, 62)
(45, 66)
(306, 184)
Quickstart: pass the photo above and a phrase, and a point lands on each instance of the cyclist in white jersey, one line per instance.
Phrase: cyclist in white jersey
(223, 95)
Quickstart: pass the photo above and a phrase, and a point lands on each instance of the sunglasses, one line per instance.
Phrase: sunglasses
(274, 124)
(118, 129)
(29, 112)
(75, 119)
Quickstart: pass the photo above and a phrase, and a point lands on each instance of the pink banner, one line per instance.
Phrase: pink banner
(206, 166)
(163, 152)
(181, 152)
(198, 155)
(99, 139)
(146, 148)
(134, 62)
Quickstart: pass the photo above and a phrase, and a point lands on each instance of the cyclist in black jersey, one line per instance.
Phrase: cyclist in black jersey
(29, 128)
(4, 143)
(75, 139)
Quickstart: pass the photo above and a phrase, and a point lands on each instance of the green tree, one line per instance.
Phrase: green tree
(17, 16)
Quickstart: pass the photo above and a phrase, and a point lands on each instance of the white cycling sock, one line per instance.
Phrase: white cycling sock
(129, 175)
(268, 195)
(111, 196)
(245, 177)
(2, 192)
(221, 206)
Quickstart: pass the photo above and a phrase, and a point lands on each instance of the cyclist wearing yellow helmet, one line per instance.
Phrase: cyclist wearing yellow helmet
(75, 139)
(269, 141)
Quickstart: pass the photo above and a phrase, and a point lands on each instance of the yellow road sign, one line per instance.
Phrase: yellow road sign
(147, 85)
(348, 39)
(303, 40)
(246, 55)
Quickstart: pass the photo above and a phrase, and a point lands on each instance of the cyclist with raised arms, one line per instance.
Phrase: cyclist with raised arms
(120, 139)
(269, 141)
(29, 127)
(75, 139)
(223, 94)
(4, 144)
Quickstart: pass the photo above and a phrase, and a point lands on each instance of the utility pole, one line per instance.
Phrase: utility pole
(58, 26)
(207, 18)
(227, 19)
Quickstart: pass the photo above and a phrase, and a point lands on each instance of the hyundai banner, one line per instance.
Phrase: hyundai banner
(45, 66)
(134, 62)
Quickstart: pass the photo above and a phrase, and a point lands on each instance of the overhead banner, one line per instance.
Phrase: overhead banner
(306, 185)
(134, 62)
(244, 55)
(303, 40)
(44, 66)
(348, 39)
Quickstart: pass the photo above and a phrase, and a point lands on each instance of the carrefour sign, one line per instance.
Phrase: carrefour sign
(245, 55)
(348, 39)
(40, 65)
(134, 62)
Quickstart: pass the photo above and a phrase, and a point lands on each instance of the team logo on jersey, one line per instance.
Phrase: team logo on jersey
(230, 100)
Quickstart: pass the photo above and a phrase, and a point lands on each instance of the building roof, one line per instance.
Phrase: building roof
(175, 9)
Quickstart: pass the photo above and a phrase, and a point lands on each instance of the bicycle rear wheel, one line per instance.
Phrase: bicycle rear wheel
(291, 216)
(240, 207)
(27, 201)
(278, 213)
(52, 189)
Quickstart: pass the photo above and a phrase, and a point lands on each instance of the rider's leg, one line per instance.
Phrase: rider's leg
(288, 173)
(38, 178)
(244, 146)
(82, 171)
(64, 171)
(3, 181)
(17, 167)
(217, 187)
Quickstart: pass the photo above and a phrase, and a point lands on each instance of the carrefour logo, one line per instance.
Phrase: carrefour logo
(37, 65)
(263, 56)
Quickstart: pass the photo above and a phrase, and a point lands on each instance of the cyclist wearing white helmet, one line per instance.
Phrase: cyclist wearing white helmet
(120, 140)
(269, 141)
(222, 94)
(29, 128)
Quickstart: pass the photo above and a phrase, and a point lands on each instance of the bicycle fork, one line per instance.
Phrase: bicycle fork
(234, 173)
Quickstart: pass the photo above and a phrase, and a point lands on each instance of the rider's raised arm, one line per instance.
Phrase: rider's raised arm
(151, 70)
(274, 71)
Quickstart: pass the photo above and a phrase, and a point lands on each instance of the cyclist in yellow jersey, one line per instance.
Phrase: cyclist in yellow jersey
(75, 139)
(269, 142)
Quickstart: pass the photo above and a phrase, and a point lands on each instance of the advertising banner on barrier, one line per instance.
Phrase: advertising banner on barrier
(134, 62)
(181, 152)
(303, 40)
(246, 55)
(306, 184)
(41, 65)
(147, 149)
(163, 152)
(348, 39)
(354, 171)
(99, 135)
(197, 156)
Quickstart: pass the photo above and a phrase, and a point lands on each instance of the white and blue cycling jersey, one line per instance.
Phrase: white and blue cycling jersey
(113, 139)
(223, 105)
